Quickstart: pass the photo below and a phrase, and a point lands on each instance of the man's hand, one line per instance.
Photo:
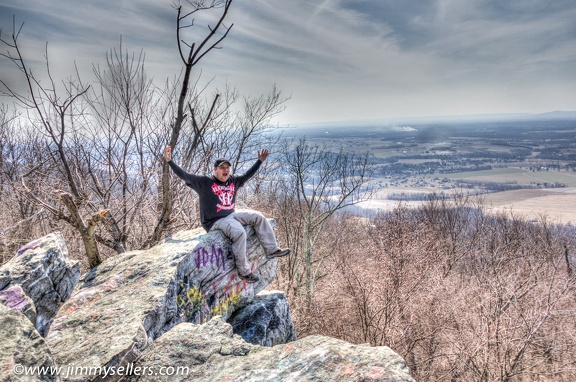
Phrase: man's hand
(168, 153)
(262, 155)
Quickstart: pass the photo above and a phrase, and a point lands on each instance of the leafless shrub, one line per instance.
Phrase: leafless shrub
(459, 293)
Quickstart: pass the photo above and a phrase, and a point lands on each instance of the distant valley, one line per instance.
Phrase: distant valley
(523, 163)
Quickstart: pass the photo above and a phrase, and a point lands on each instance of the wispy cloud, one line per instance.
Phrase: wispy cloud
(343, 58)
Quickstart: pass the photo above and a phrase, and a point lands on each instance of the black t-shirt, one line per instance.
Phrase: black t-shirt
(217, 199)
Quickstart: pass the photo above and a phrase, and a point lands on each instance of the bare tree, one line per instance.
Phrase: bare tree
(191, 52)
(457, 220)
(18, 149)
(56, 113)
(503, 311)
(118, 149)
(318, 184)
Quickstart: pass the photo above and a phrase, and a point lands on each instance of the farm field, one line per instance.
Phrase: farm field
(557, 205)
(518, 175)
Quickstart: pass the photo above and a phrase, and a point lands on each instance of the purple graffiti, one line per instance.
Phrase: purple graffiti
(14, 298)
(215, 256)
(32, 245)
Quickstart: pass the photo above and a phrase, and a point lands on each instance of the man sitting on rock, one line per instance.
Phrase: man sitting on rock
(217, 209)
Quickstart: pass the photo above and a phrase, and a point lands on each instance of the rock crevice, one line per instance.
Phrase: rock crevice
(46, 275)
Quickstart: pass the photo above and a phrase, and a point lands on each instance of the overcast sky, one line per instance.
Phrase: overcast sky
(337, 59)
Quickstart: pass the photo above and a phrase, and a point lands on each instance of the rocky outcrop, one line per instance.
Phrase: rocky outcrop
(45, 274)
(24, 355)
(211, 352)
(125, 303)
(160, 313)
(266, 321)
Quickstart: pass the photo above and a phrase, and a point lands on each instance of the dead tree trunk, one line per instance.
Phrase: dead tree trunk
(194, 54)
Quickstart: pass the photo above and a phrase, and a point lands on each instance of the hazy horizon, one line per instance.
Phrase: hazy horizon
(551, 115)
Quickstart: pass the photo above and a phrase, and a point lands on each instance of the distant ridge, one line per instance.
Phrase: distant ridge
(552, 115)
(558, 114)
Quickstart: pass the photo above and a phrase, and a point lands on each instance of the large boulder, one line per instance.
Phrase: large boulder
(24, 355)
(45, 273)
(266, 321)
(125, 303)
(211, 352)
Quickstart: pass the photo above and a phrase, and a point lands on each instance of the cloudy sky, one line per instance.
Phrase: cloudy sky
(337, 59)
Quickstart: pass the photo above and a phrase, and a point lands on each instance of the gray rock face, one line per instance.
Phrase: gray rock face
(22, 348)
(159, 315)
(266, 321)
(125, 303)
(211, 352)
(45, 274)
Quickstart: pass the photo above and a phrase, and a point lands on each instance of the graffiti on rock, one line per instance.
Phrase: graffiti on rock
(198, 307)
(213, 256)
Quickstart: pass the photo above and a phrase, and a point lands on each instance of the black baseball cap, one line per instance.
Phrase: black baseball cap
(221, 161)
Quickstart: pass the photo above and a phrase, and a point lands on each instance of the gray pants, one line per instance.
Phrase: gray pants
(232, 227)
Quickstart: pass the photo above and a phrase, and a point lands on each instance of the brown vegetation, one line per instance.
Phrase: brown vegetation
(459, 293)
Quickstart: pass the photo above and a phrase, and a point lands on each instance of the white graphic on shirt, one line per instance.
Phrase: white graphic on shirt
(226, 196)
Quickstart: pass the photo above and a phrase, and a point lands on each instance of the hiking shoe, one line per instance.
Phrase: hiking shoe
(278, 253)
(249, 278)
